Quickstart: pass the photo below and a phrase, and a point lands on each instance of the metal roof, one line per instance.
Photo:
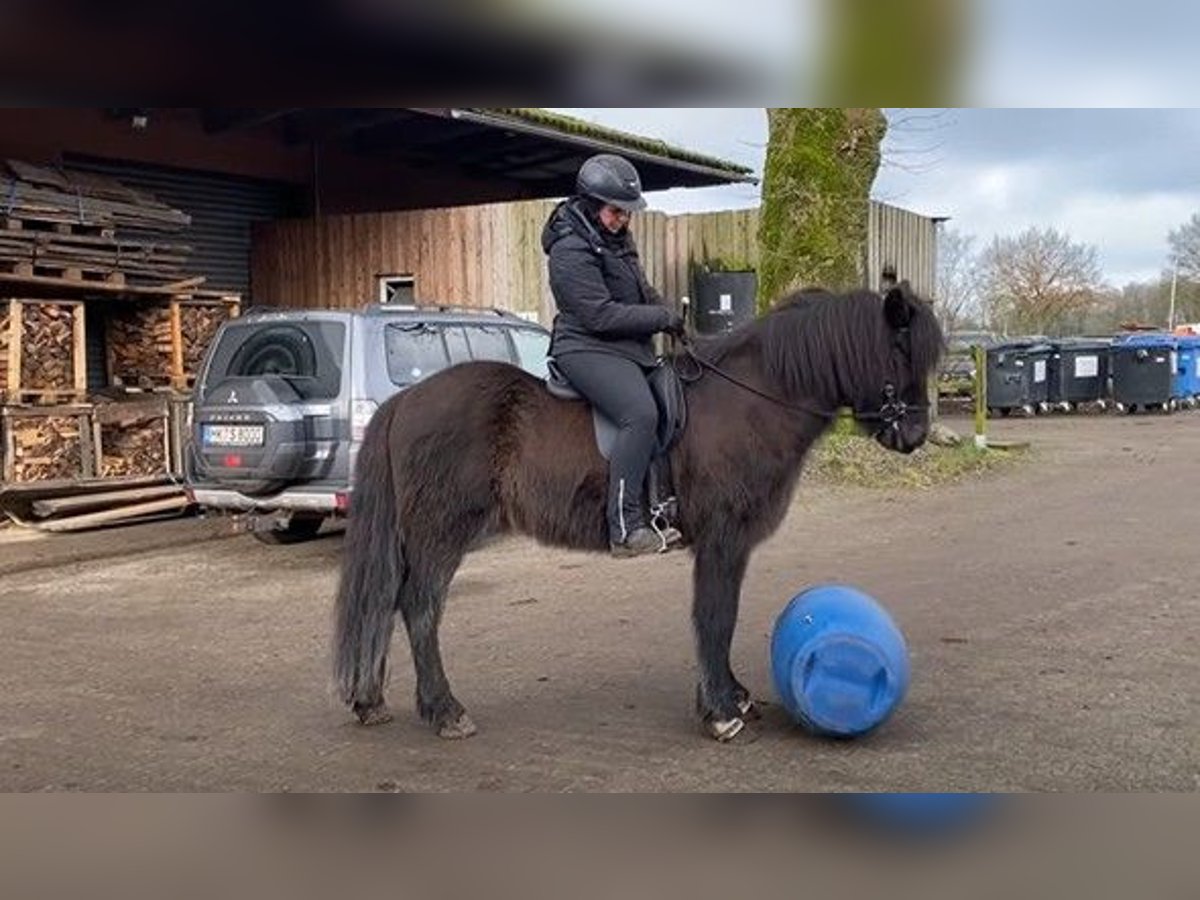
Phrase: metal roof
(539, 150)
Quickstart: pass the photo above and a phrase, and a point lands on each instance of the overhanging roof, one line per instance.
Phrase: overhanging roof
(536, 151)
(643, 151)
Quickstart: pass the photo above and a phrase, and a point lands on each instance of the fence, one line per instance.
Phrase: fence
(491, 256)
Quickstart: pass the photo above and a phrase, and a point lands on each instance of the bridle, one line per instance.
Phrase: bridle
(892, 409)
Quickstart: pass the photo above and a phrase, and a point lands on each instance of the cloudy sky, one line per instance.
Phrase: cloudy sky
(1117, 178)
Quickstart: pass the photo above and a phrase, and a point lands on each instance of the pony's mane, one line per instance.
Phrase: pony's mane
(829, 346)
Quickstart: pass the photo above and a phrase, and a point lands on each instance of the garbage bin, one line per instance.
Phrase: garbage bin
(1018, 377)
(1187, 370)
(1144, 372)
(1078, 373)
(724, 300)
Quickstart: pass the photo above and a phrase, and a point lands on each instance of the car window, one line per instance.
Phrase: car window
(489, 343)
(414, 352)
(456, 344)
(532, 347)
(307, 354)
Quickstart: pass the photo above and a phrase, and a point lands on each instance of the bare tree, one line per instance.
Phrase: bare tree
(1185, 248)
(1036, 281)
(957, 296)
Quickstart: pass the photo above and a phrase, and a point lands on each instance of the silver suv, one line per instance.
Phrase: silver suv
(284, 398)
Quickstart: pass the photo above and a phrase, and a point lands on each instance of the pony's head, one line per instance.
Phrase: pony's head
(871, 353)
(892, 403)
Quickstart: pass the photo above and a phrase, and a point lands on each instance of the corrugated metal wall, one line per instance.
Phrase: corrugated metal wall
(223, 208)
(906, 241)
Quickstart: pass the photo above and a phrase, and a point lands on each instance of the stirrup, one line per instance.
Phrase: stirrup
(661, 524)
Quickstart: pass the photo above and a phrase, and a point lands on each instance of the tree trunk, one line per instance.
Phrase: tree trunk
(820, 166)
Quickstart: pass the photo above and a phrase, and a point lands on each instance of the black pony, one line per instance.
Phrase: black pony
(483, 448)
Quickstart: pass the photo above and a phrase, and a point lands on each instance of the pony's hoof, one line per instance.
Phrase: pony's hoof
(458, 730)
(749, 710)
(725, 730)
(376, 715)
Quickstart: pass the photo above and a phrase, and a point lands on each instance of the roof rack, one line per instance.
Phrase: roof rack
(442, 308)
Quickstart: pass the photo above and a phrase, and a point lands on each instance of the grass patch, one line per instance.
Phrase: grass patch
(851, 459)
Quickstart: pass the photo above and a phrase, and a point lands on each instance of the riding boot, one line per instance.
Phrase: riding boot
(640, 542)
(629, 535)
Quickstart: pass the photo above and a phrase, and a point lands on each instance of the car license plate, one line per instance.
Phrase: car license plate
(232, 435)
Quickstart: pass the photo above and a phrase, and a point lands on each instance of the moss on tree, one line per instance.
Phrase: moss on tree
(820, 166)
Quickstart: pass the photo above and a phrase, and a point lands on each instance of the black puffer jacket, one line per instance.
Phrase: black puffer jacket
(604, 302)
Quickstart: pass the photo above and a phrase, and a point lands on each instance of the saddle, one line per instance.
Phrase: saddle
(668, 394)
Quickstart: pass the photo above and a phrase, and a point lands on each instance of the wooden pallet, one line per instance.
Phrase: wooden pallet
(42, 351)
(47, 398)
(62, 272)
(53, 287)
(53, 224)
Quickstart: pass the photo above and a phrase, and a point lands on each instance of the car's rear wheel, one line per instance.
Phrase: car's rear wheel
(293, 529)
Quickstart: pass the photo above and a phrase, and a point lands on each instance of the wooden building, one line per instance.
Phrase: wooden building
(290, 206)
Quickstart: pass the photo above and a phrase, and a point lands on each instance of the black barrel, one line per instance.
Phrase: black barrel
(724, 300)
(1078, 372)
(1017, 376)
(1143, 371)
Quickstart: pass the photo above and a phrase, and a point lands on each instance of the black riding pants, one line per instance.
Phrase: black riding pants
(618, 388)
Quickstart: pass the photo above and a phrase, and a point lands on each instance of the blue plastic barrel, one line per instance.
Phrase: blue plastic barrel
(839, 663)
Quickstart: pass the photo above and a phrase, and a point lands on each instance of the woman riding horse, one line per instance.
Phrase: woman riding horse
(484, 448)
(607, 314)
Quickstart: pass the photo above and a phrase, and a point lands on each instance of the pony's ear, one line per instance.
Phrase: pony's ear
(897, 306)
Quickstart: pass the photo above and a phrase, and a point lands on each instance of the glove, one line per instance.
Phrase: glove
(676, 326)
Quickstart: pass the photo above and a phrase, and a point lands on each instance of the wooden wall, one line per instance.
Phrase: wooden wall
(491, 255)
(476, 256)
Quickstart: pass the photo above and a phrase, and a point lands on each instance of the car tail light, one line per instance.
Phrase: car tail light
(233, 461)
(342, 501)
(360, 416)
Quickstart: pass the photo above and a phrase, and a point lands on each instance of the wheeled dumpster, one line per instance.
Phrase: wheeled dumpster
(1187, 370)
(1018, 377)
(1078, 372)
(1144, 371)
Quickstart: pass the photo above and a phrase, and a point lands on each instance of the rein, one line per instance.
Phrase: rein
(892, 410)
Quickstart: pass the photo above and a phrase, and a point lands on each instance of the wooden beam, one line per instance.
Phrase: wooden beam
(122, 513)
(80, 358)
(219, 121)
(334, 124)
(92, 287)
(57, 506)
(17, 320)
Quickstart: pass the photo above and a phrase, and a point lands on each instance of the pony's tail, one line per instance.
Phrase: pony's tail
(373, 572)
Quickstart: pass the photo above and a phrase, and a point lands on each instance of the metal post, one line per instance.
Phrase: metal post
(980, 396)
(1171, 314)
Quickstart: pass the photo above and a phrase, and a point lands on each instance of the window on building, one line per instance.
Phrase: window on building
(398, 290)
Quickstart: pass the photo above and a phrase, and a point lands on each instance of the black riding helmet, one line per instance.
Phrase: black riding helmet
(613, 180)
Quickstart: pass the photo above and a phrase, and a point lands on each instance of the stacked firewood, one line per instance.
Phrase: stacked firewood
(81, 227)
(199, 323)
(132, 440)
(44, 448)
(7, 312)
(138, 338)
(47, 358)
(42, 335)
(162, 343)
